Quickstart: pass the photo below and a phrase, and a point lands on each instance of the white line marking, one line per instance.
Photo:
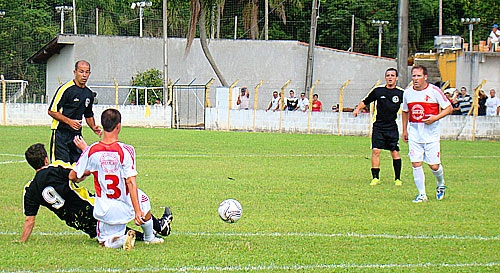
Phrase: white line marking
(293, 234)
(12, 162)
(269, 267)
(12, 155)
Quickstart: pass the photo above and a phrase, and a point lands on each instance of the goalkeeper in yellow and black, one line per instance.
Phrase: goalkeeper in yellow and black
(71, 102)
(74, 205)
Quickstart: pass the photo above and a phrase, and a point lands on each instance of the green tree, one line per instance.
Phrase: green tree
(149, 78)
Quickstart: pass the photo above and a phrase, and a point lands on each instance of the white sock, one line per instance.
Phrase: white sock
(116, 242)
(439, 176)
(419, 177)
(147, 228)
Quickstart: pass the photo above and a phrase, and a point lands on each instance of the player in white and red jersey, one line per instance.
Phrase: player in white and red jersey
(118, 199)
(424, 105)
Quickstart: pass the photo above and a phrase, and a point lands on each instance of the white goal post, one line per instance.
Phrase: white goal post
(12, 90)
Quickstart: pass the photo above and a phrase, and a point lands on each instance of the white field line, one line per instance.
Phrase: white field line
(242, 155)
(11, 161)
(273, 267)
(269, 267)
(294, 234)
(281, 155)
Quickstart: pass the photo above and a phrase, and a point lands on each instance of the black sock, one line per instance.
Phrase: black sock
(396, 163)
(375, 172)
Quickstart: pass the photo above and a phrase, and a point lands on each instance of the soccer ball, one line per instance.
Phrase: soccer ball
(230, 210)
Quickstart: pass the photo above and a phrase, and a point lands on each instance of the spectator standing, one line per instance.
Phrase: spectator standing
(316, 105)
(303, 104)
(481, 102)
(244, 99)
(454, 103)
(420, 120)
(493, 37)
(291, 102)
(72, 101)
(464, 101)
(492, 104)
(385, 134)
(275, 102)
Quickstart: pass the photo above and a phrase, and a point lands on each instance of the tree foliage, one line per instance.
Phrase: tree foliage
(28, 25)
(150, 78)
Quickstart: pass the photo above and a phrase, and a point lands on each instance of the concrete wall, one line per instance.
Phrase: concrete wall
(245, 61)
(474, 67)
(220, 118)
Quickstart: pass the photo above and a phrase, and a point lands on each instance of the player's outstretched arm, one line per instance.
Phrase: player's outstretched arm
(80, 143)
(29, 223)
(73, 176)
(134, 196)
(404, 123)
(360, 106)
(91, 123)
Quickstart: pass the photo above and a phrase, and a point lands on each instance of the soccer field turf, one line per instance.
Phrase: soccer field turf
(307, 207)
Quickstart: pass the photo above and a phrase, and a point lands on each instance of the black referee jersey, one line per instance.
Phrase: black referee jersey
(51, 188)
(388, 104)
(73, 102)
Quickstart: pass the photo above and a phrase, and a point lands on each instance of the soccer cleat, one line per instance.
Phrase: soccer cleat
(398, 182)
(440, 192)
(155, 240)
(375, 182)
(420, 198)
(129, 240)
(165, 221)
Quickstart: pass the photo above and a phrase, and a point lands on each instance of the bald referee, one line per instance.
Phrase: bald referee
(385, 135)
(72, 101)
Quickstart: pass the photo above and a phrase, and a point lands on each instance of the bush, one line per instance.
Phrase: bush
(150, 78)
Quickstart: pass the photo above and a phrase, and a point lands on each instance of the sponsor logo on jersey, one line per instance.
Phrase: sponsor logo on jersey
(109, 162)
(417, 112)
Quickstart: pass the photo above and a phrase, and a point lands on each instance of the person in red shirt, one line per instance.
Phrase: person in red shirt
(316, 104)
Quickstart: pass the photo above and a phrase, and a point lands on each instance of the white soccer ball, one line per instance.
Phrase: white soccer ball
(230, 210)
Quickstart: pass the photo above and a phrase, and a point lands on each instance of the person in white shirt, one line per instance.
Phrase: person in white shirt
(118, 200)
(275, 102)
(492, 104)
(493, 38)
(244, 99)
(420, 119)
(303, 104)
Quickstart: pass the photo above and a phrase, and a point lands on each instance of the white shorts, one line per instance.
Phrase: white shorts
(107, 231)
(429, 153)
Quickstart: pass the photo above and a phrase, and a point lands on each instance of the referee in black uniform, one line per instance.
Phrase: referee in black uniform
(72, 101)
(385, 135)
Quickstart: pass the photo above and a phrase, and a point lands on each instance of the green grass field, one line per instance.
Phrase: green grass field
(307, 207)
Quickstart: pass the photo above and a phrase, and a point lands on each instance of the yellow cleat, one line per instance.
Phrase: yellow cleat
(375, 182)
(398, 182)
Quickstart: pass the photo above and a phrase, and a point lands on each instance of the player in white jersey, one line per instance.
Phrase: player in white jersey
(118, 199)
(424, 105)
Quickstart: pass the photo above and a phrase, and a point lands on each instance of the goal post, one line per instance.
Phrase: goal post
(13, 90)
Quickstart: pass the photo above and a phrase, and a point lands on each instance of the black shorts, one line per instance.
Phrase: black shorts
(62, 146)
(385, 138)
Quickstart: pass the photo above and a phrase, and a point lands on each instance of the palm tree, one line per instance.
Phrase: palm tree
(199, 9)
